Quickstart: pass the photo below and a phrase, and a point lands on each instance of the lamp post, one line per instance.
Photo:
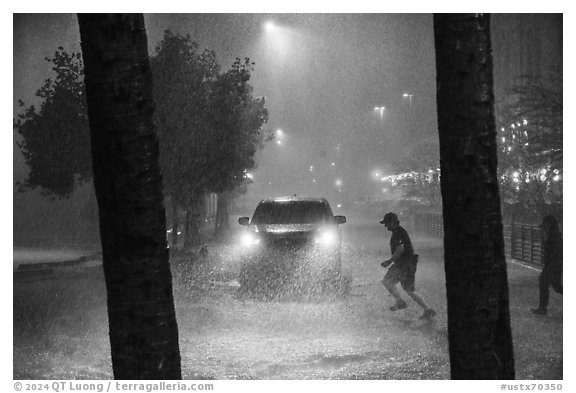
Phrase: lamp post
(381, 110)
(409, 96)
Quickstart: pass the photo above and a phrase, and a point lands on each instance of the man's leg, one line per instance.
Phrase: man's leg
(392, 288)
(390, 280)
(544, 292)
(544, 289)
(418, 299)
(409, 285)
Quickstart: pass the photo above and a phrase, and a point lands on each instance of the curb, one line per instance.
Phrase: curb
(524, 264)
(48, 267)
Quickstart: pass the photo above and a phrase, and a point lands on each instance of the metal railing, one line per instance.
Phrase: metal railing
(522, 242)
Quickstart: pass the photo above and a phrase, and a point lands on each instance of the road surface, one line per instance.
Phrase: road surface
(60, 322)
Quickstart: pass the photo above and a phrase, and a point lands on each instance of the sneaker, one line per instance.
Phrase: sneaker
(539, 311)
(428, 314)
(401, 304)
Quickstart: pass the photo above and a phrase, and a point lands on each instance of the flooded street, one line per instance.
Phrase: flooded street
(60, 323)
(231, 336)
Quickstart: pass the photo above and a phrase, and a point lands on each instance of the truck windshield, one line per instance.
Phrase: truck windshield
(292, 212)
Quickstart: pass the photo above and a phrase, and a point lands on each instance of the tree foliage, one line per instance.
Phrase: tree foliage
(419, 174)
(55, 139)
(182, 80)
(235, 118)
(530, 144)
(209, 124)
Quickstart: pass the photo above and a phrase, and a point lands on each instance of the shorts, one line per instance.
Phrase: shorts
(405, 275)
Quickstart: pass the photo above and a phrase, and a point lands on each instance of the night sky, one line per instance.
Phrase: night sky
(322, 75)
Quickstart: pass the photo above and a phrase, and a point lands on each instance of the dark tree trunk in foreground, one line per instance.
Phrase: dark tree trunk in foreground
(175, 224)
(480, 338)
(143, 330)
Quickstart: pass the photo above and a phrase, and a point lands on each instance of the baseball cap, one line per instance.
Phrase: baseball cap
(389, 217)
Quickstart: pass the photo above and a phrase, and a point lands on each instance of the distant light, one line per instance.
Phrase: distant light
(269, 26)
(313, 180)
(279, 132)
(339, 206)
(249, 175)
(338, 183)
(333, 164)
(279, 143)
(311, 168)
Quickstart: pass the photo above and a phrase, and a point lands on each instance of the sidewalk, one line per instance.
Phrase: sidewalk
(45, 259)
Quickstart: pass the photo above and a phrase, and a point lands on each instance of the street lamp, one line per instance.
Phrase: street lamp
(269, 26)
(409, 96)
(380, 109)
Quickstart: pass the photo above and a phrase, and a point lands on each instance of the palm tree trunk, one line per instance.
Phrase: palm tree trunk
(175, 224)
(476, 280)
(128, 184)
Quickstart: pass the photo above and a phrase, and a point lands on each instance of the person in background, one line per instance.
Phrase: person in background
(552, 260)
(403, 269)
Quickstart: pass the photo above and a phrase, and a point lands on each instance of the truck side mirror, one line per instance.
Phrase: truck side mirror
(339, 219)
(244, 221)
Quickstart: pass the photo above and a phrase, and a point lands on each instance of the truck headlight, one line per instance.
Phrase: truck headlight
(326, 238)
(249, 240)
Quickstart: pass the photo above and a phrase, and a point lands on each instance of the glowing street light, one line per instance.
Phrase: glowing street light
(409, 96)
(269, 26)
(381, 110)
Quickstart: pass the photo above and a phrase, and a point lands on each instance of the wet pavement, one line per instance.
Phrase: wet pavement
(60, 322)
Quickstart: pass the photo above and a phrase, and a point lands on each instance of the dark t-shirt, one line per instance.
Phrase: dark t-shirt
(400, 236)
